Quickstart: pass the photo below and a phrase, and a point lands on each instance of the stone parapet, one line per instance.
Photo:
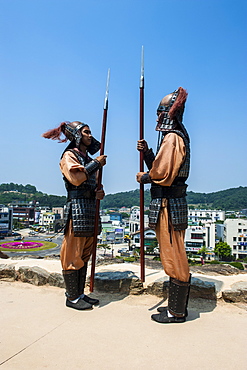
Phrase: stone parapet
(126, 282)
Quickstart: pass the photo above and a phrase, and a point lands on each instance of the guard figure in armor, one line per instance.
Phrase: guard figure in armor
(168, 172)
(80, 177)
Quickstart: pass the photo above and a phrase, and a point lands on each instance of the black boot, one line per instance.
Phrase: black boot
(163, 318)
(72, 293)
(165, 308)
(82, 274)
(177, 303)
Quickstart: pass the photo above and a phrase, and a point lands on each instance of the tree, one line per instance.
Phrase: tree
(223, 250)
(105, 247)
(125, 215)
(203, 251)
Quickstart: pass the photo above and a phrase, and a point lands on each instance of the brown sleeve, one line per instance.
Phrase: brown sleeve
(71, 168)
(168, 160)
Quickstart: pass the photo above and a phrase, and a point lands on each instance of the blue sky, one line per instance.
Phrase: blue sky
(54, 58)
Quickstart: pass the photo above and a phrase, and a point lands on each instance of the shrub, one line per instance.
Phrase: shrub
(238, 265)
(214, 262)
(129, 259)
(156, 259)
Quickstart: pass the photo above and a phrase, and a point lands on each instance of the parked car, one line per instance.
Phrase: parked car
(122, 250)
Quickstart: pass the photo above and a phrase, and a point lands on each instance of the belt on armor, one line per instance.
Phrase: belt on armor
(81, 193)
(173, 191)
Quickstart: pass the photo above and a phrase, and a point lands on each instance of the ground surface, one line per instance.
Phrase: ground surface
(39, 332)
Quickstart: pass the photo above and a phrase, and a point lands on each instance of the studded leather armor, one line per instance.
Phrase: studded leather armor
(176, 193)
(81, 200)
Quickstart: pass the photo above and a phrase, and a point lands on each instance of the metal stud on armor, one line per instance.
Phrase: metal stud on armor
(81, 200)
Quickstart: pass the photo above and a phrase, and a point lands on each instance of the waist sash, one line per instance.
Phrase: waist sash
(173, 191)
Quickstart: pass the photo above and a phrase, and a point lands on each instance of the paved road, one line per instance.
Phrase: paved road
(47, 252)
(56, 251)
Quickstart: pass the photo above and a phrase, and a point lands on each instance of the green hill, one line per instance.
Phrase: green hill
(10, 193)
(230, 199)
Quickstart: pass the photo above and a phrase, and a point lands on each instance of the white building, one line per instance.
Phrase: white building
(47, 219)
(149, 237)
(205, 215)
(198, 236)
(235, 235)
(194, 238)
(134, 221)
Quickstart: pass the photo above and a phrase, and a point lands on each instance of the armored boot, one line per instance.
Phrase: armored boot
(165, 308)
(82, 274)
(73, 299)
(177, 303)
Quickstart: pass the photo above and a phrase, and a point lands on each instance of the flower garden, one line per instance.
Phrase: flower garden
(26, 245)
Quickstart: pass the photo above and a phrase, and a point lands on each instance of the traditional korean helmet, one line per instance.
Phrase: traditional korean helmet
(171, 108)
(72, 132)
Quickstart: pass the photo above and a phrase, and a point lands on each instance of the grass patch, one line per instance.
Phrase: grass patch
(238, 265)
(45, 245)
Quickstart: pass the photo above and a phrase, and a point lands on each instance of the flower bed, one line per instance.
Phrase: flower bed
(21, 245)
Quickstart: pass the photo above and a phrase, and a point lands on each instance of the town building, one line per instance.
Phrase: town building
(47, 220)
(235, 235)
(124, 210)
(134, 221)
(197, 236)
(219, 231)
(204, 215)
(194, 238)
(58, 211)
(24, 215)
(113, 230)
(149, 238)
(6, 220)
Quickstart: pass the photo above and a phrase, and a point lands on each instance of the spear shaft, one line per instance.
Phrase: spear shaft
(102, 149)
(142, 257)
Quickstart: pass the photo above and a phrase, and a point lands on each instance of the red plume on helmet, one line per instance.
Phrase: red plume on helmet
(72, 132)
(178, 106)
(55, 133)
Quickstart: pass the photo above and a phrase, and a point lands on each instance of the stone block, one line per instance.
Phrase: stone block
(202, 289)
(56, 279)
(199, 288)
(7, 272)
(33, 275)
(238, 293)
(124, 282)
(159, 287)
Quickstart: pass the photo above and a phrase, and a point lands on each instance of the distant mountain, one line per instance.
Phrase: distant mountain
(10, 193)
(230, 199)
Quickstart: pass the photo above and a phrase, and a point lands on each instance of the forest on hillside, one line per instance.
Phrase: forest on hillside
(230, 199)
(14, 193)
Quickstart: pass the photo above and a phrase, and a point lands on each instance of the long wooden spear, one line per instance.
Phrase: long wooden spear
(102, 149)
(142, 256)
